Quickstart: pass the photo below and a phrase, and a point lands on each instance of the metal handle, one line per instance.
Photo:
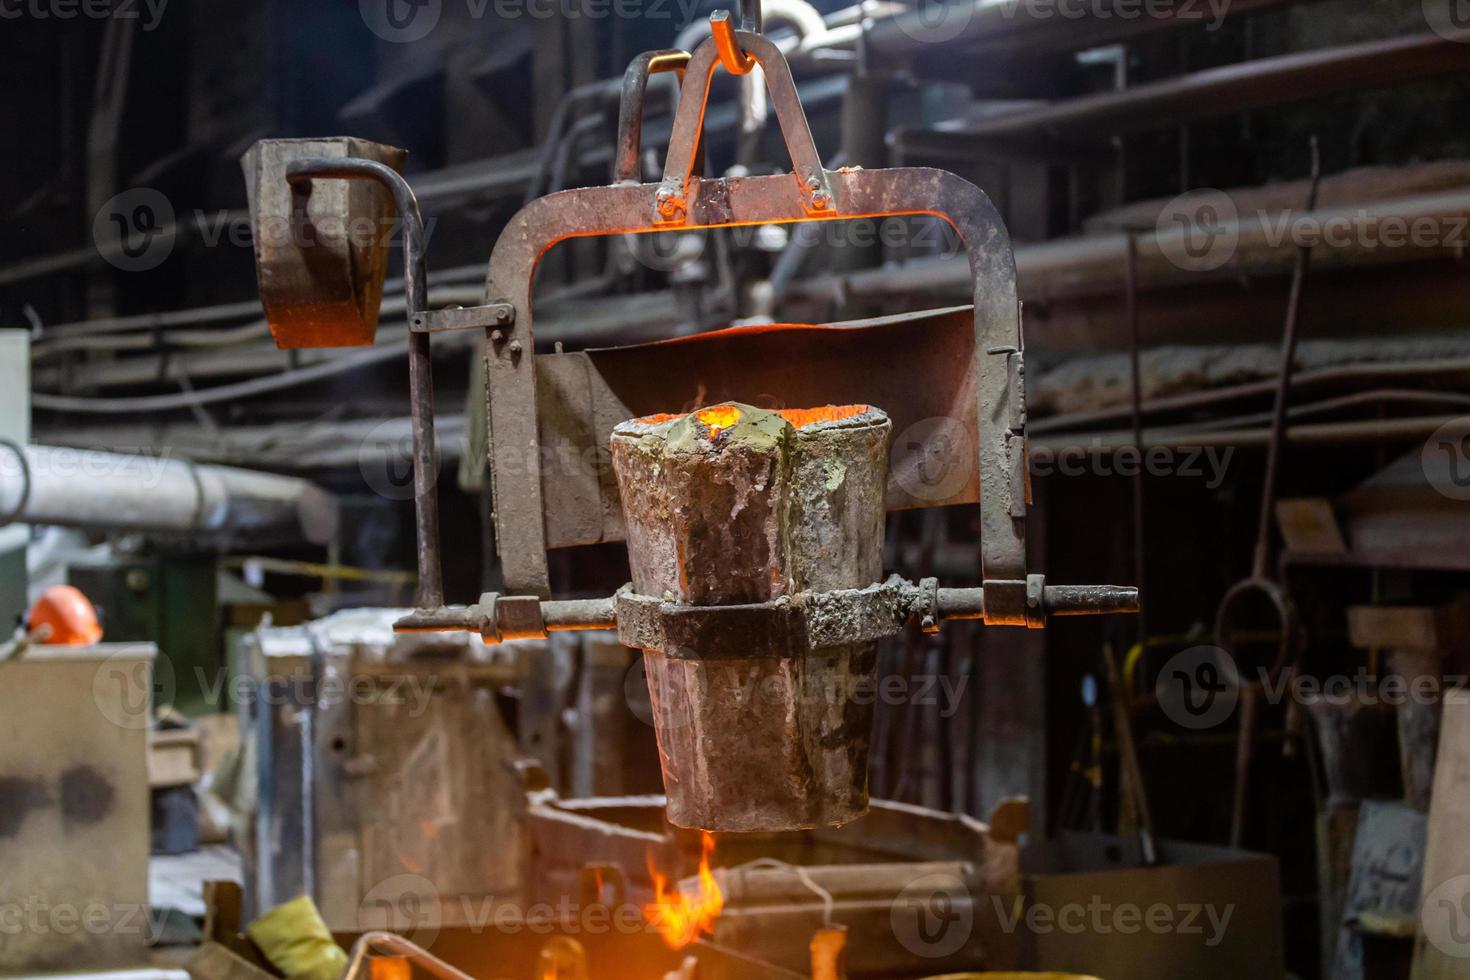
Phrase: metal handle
(394, 945)
(822, 618)
(420, 362)
(672, 198)
(683, 200)
(631, 105)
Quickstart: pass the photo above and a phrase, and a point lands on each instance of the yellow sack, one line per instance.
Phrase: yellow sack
(297, 942)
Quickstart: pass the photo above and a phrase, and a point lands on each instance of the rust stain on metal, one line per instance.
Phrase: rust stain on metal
(87, 795)
(18, 797)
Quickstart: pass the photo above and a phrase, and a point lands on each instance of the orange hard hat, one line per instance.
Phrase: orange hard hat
(70, 615)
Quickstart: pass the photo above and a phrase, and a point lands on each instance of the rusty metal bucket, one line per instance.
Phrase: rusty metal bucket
(320, 257)
(736, 507)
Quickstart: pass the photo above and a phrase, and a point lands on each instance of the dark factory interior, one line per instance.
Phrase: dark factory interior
(722, 489)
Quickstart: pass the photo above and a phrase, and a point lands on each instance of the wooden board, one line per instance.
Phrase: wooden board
(173, 758)
(1309, 526)
(1442, 947)
(1410, 627)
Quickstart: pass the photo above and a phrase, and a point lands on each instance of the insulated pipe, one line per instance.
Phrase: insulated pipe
(974, 22)
(123, 492)
(1257, 84)
(1419, 228)
(993, 26)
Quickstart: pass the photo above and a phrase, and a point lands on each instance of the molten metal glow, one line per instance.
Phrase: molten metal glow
(679, 917)
(803, 417)
(717, 418)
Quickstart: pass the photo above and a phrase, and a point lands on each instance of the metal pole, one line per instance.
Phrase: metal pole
(1261, 564)
(1140, 538)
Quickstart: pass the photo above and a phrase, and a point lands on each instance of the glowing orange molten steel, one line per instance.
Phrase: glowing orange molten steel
(717, 418)
(803, 417)
(679, 917)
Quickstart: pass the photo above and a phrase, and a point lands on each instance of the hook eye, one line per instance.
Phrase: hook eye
(732, 56)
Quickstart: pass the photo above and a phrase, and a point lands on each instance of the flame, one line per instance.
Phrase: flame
(679, 917)
(718, 417)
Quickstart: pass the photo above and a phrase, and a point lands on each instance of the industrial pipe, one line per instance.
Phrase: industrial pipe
(1258, 84)
(891, 33)
(124, 492)
(986, 27)
(1263, 243)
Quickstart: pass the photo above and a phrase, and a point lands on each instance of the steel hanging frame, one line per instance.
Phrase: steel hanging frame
(685, 200)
